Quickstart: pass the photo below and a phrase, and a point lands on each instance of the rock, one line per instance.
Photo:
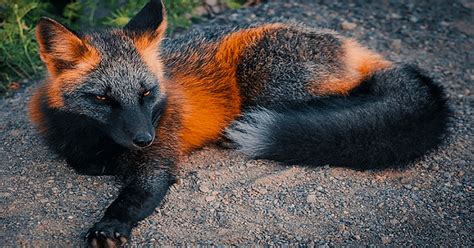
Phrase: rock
(396, 45)
(348, 25)
(311, 198)
(204, 189)
(386, 240)
(395, 16)
(210, 198)
(413, 19)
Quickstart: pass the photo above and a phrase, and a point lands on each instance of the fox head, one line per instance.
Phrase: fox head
(111, 77)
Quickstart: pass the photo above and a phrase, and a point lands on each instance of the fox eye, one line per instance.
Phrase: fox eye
(146, 93)
(101, 98)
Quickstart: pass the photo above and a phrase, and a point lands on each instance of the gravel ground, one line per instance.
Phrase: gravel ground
(223, 198)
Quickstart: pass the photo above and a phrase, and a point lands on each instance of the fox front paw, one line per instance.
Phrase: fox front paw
(108, 233)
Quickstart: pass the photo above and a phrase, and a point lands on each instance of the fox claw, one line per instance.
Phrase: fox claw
(108, 233)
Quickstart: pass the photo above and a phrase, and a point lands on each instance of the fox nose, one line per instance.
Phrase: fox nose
(143, 140)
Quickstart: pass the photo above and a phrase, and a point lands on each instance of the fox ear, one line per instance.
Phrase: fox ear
(60, 47)
(149, 25)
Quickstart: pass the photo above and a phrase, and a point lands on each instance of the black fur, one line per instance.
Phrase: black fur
(135, 202)
(395, 116)
(149, 18)
(84, 145)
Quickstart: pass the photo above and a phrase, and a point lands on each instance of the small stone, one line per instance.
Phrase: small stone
(443, 23)
(70, 217)
(397, 44)
(204, 189)
(413, 19)
(311, 198)
(394, 221)
(6, 194)
(386, 240)
(342, 228)
(395, 16)
(68, 185)
(262, 191)
(15, 133)
(407, 186)
(356, 237)
(210, 198)
(348, 25)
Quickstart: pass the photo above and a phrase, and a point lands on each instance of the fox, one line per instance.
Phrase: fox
(130, 102)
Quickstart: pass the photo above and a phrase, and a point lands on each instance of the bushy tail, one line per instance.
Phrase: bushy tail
(393, 117)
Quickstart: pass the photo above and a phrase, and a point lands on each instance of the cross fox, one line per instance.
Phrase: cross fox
(131, 102)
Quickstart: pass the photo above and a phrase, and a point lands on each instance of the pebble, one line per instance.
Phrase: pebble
(386, 240)
(311, 198)
(413, 19)
(348, 25)
(397, 45)
(204, 189)
(210, 198)
(395, 16)
(6, 194)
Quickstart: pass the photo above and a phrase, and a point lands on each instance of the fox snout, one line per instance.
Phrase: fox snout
(143, 140)
(132, 128)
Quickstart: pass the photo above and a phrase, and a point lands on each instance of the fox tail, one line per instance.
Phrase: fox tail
(393, 117)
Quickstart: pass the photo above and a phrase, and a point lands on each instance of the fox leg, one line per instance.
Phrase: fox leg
(142, 194)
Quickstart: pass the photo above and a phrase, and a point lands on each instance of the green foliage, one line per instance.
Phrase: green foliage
(122, 15)
(19, 57)
(234, 4)
(178, 12)
(18, 49)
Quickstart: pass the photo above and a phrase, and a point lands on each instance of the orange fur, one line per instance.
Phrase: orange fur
(148, 47)
(34, 110)
(69, 79)
(362, 60)
(359, 63)
(208, 100)
(206, 111)
(67, 47)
